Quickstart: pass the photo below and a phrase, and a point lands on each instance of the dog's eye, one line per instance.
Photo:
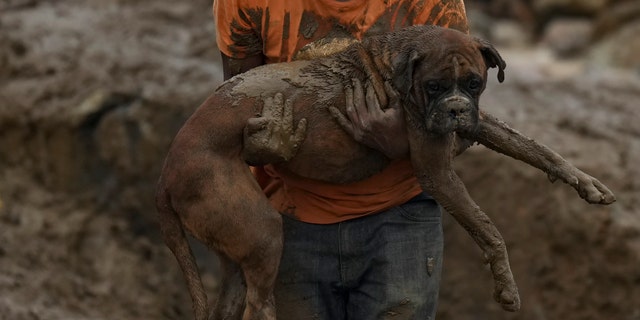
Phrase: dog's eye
(474, 84)
(433, 86)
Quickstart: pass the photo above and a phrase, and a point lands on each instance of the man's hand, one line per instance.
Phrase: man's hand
(381, 128)
(271, 137)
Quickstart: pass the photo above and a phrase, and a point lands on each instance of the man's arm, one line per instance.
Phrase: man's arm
(232, 66)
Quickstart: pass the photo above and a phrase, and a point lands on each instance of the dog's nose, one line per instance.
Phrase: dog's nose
(457, 106)
(457, 110)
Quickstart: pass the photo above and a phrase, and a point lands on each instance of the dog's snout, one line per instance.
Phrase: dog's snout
(457, 110)
(457, 106)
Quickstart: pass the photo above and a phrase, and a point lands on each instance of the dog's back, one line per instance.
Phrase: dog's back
(328, 153)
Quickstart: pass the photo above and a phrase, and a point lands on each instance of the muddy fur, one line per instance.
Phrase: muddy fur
(206, 187)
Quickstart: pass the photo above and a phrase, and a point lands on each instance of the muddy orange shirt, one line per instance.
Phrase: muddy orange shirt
(277, 29)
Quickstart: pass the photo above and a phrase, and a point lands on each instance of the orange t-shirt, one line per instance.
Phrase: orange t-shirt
(277, 29)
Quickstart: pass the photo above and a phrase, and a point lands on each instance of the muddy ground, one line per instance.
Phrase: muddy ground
(91, 94)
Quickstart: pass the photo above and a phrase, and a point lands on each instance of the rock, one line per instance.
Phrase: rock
(480, 23)
(571, 7)
(619, 14)
(568, 37)
(509, 33)
(619, 49)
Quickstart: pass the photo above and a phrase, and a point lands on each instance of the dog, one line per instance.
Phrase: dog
(207, 189)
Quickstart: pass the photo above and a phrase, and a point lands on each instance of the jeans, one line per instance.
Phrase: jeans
(383, 266)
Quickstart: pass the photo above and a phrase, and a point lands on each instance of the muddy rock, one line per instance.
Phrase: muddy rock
(619, 48)
(618, 15)
(568, 37)
(93, 103)
(508, 33)
(584, 7)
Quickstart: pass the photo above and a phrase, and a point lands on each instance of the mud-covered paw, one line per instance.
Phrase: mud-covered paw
(592, 190)
(507, 296)
(505, 288)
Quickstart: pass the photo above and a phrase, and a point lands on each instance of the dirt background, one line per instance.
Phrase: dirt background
(91, 93)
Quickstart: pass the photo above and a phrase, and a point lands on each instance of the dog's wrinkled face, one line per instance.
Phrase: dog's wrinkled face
(449, 91)
(443, 77)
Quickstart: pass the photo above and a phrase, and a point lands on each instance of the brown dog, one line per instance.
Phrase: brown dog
(207, 189)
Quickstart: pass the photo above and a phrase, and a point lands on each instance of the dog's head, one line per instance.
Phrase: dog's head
(441, 73)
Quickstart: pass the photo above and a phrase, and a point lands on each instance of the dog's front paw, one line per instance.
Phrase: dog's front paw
(590, 189)
(505, 290)
(507, 296)
(595, 191)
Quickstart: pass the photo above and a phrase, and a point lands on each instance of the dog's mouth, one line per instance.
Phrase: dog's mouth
(453, 113)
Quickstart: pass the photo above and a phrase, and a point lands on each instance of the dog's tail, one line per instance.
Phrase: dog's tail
(175, 238)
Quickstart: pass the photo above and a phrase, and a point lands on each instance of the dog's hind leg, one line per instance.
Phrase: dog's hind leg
(260, 271)
(250, 284)
(231, 215)
(431, 158)
(230, 303)
(176, 241)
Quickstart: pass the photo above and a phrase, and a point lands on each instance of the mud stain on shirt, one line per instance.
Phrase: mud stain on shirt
(284, 48)
(308, 25)
(246, 41)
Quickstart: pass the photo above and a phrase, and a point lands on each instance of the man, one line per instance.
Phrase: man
(364, 250)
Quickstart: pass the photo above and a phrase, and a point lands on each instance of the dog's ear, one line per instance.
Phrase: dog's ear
(491, 57)
(403, 65)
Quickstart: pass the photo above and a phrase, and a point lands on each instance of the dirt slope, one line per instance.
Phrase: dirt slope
(572, 260)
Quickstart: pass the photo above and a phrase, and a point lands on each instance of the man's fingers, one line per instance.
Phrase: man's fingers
(300, 133)
(256, 124)
(394, 98)
(378, 87)
(360, 105)
(359, 98)
(342, 120)
(373, 105)
(287, 117)
(349, 104)
(278, 105)
(267, 107)
(272, 107)
(277, 99)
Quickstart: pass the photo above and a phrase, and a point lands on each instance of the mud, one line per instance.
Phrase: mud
(272, 137)
(77, 232)
(308, 25)
(246, 43)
